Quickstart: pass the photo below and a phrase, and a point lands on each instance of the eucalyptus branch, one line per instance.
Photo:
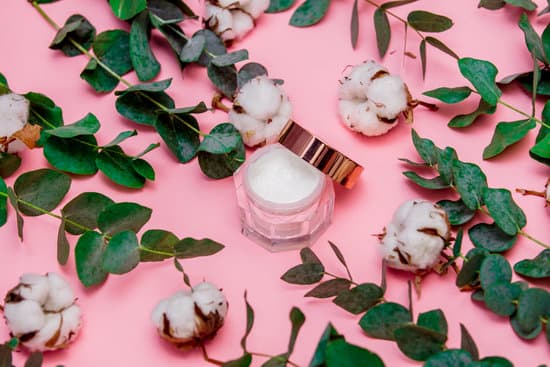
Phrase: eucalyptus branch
(280, 359)
(338, 277)
(399, 18)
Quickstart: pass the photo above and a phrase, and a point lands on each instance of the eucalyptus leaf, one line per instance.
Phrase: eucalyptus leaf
(469, 274)
(450, 358)
(457, 246)
(425, 21)
(434, 320)
(436, 183)
(43, 188)
(468, 119)
(539, 267)
(143, 59)
(224, 79)
(35, 359)
(308, 256)
(119, 167)
(63, 247)
(340, 353)
(525, 4)
(467, 343)
(319, 356)
(144, 102)
(527, 335)
(508, 216)
(276, 6)
(180, 133)
(189, 248)
(198, 108)
(494, 362)
(308, 273)
(223, 138)
(457, 212)
(122, 217)
(381, 320)
(394, 4)
(449, 95)
(441, 46)
(491, 4)
(144, 169)
(126, 9)
(419, 343)
(297, 319)
(533, 304)
(88, 125)
(359, 298)
(214, 46)
(541, 150)
(329, 288)
(76, 29)
(13, 200)
(532, 39)
(88, 256)
(482, 75)
(506, 134)
(470, 181)
(99, 79)
(75, 155)
(250, 71)
(84, 210)
(219, 166)
(309, 13)
(249, 322)
(494, 269)
(230, 58)
(383, 31)
(501, 298)
(354, 24)
(423, 57)
(120, 138)
(173, 35)
(121, 254)
(193, 49)
(243, 361)
(9, 163)
(425, 148)
(491, 237)
(165, 12)
(161, 244)
(3, 202)
(43, 111)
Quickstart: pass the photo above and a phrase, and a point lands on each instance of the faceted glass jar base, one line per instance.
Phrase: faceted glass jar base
(279, 229)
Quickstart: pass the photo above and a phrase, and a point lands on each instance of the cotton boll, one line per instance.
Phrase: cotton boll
(228, 3)
(219, 20)
(416, 236)
(260, 98)
(354, 86)
(242, 23)
(180, 313)
(33, 287)
(255, 7)
(48, 336)
(274, 128)
(362, 117)
(209, 299)
(14, 113)
(61, 295)
(71, 324)
(250, 128)
(24, 317)
(390, 95)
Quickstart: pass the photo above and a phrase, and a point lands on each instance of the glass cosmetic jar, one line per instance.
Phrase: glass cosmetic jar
(285, 190)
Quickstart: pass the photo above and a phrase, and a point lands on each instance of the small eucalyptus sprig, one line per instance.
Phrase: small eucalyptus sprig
(482, 75)
(35, 359)
(117, 52)
(527, 5)
(108, 242)
(311, 12)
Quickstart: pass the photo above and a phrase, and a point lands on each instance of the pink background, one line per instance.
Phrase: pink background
(117, 327)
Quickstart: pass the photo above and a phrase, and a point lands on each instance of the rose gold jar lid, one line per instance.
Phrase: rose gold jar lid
(313, 150)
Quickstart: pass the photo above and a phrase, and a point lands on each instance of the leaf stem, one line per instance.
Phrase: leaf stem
(337, 277)
(206, 357)
(156, 252)
(402, 20)
(537, 241)
(270, 356)
(515, 109)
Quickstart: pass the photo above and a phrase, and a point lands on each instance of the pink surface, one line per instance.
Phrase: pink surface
(117, 327)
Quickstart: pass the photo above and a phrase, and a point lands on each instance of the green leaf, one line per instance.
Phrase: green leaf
(525, 4)
(143, 103)
(435, 183)
(309, 273)
(425, 21)
(541, 150)
(43, 111)
(116, 165)
(63, 247)
(126, 9)
(308, 256)
(425, 148)
(319, 357)
(522, 334)
(88, 256)
(457, 212)
(88, 125)
(144, 169)
(98, 78)
(494, 269)
(533, 304)
(469, 182)
(249, 322)
(330, 288)
(491, 237)
(434, 320)
(5, 356)
(198, 108)
(383, 31)
(143, 60)
(43, 188)
(354, 25)
(506, 134)
(84, 210)
(78, 29)
(74, 155)
(276, 361)
(309, 13)
(423, 58)
(507, 214)
(394, 4)
(419, 343)
(163, 12)
(180, 133)
(160, 241)
(123, 216)
(244, 361)
(491, 4)
(223, 138)
(250, 71)
(276, 6)
(340, 353)
(9, 163)
(224, 79)
(113, 49)
(469, 274)
(381, 320)
(14, 203)
(441, 47)
(35, 359)
(121, 254)
(467, 343)
(230, 58)
(457, 246)
(469, 118)
(532, 39)
(482, 75)
(3, 202)
(360, 298)
(120, 138)
(501, 298)
(450, 358)
(214, 46)
(189, 248)
(539, 267)
(219, 166)
(449, 95)
(297, 319)
(339, 256)
(193, 49)
(545, 37)
(494, 362)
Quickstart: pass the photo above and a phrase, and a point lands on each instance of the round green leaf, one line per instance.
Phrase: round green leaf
(492, 362)
(381, 320)
(9, 163)
(330, 288)
(84, 210)
(469, 274)
(78, 29)
(223, 138)
(193, 49)
(434, 320)
(43, 188)
(157, 240)
(74, 155)
(88, 256)
(507, 214)
(214, 46)
(482, 75)
(494, 269)
(532, 305)
(425, 21)
(436, 183)
(308, 273)
(123, 216)
(507, 134)
(224, 79)
(340, 353)
(88, 125)
(426, 148)
(179, 132)
(143, 60)
(165, 12)
(501, 298)
(116, 165)
(276, 6)
(360, 298)
(490, 237)
(539, 267)
(532, 334)
(126, 9)
(250, 71)
(144, 169)
(450, 358)
(309, 13)
(469, 182)
(223, 165)
(457, 212)
(139, 107)
(43, 111)
(121, 254)
(419, 343)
